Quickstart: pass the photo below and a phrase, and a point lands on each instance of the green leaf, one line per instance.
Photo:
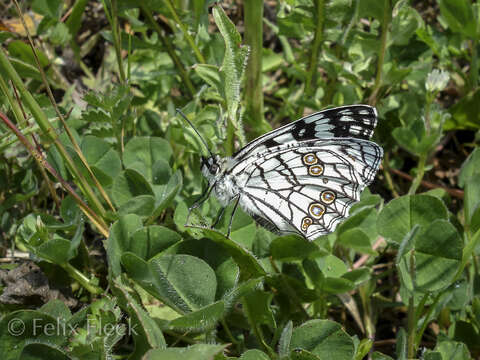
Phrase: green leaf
(472, 200)
(129, 184)
(174, 279)
(364, 220)
(145, 331)
(333, 285)
(194, 352)
(142, 205)
(148, 241)
(399, 216)
(59, 34)
(23, 52)
(407, 139)
(401, 345)
(74, 21)
(438, 254)
(142, 153)
(244, 288)
(249, 266)
(379, 356)
(211, 75)
(119, 240)
(459, 16)
(285, 339)
(254, 354)
(373, 8)
(293, 247)
(358, 276)
(56, 250)
(357, 240)
(43, 351)
(234, 62)
(332, 266)
(48, 8)
(200, 320)
(405, 23)
(257, 308)
(19, 328)
(453, 350)
(323, 338)
(470, 167)
(465, 332)
(102, 158)
(465, 113)
(165, 194)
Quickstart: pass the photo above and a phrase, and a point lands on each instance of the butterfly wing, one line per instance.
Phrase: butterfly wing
(308, 187)
(356, 121)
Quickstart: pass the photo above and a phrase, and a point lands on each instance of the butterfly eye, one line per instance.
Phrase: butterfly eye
(214, 169)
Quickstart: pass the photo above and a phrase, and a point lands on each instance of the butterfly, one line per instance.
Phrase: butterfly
(301, 178)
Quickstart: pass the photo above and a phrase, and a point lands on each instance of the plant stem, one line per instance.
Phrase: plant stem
(37, 155)
(73, 169)
(474, 65)
(411, 312)
(168, 46)
(49, 131)
(189, 39)
(419, 176)
(388, 177)
(116, 34)
(317, 42)
(425, 323)
(253, 10)
(82, 279)
(381, 54)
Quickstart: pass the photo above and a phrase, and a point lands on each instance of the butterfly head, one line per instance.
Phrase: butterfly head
(211, 166)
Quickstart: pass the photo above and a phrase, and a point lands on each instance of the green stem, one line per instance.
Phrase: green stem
(116, 34)
(48, 130)
(253, 10)
(351, 23)
(474, 65)
(419, 176)
(38, 156)
(189, 39)
(468, 251)
(230, 140)
(425, 323)
(82, 279)
(230, 336)
(317, 42)
(367, 312)
(411, 312)
(388, 177)
(168, 46)
(381, 54)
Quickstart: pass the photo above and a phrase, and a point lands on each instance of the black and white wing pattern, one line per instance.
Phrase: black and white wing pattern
(356, 121)
(303, 177)
(309, 187)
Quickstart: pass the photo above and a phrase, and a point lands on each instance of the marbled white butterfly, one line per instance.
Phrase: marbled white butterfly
(302, 177)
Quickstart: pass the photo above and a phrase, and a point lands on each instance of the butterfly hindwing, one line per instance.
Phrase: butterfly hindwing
(309, 187)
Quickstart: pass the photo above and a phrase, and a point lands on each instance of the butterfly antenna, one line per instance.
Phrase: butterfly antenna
(196, 131)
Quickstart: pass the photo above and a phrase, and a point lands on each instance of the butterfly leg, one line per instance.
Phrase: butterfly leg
(199, 201)
(217, 220)
(233, 214)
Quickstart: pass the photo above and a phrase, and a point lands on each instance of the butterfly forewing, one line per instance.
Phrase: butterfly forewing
(356, 121)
